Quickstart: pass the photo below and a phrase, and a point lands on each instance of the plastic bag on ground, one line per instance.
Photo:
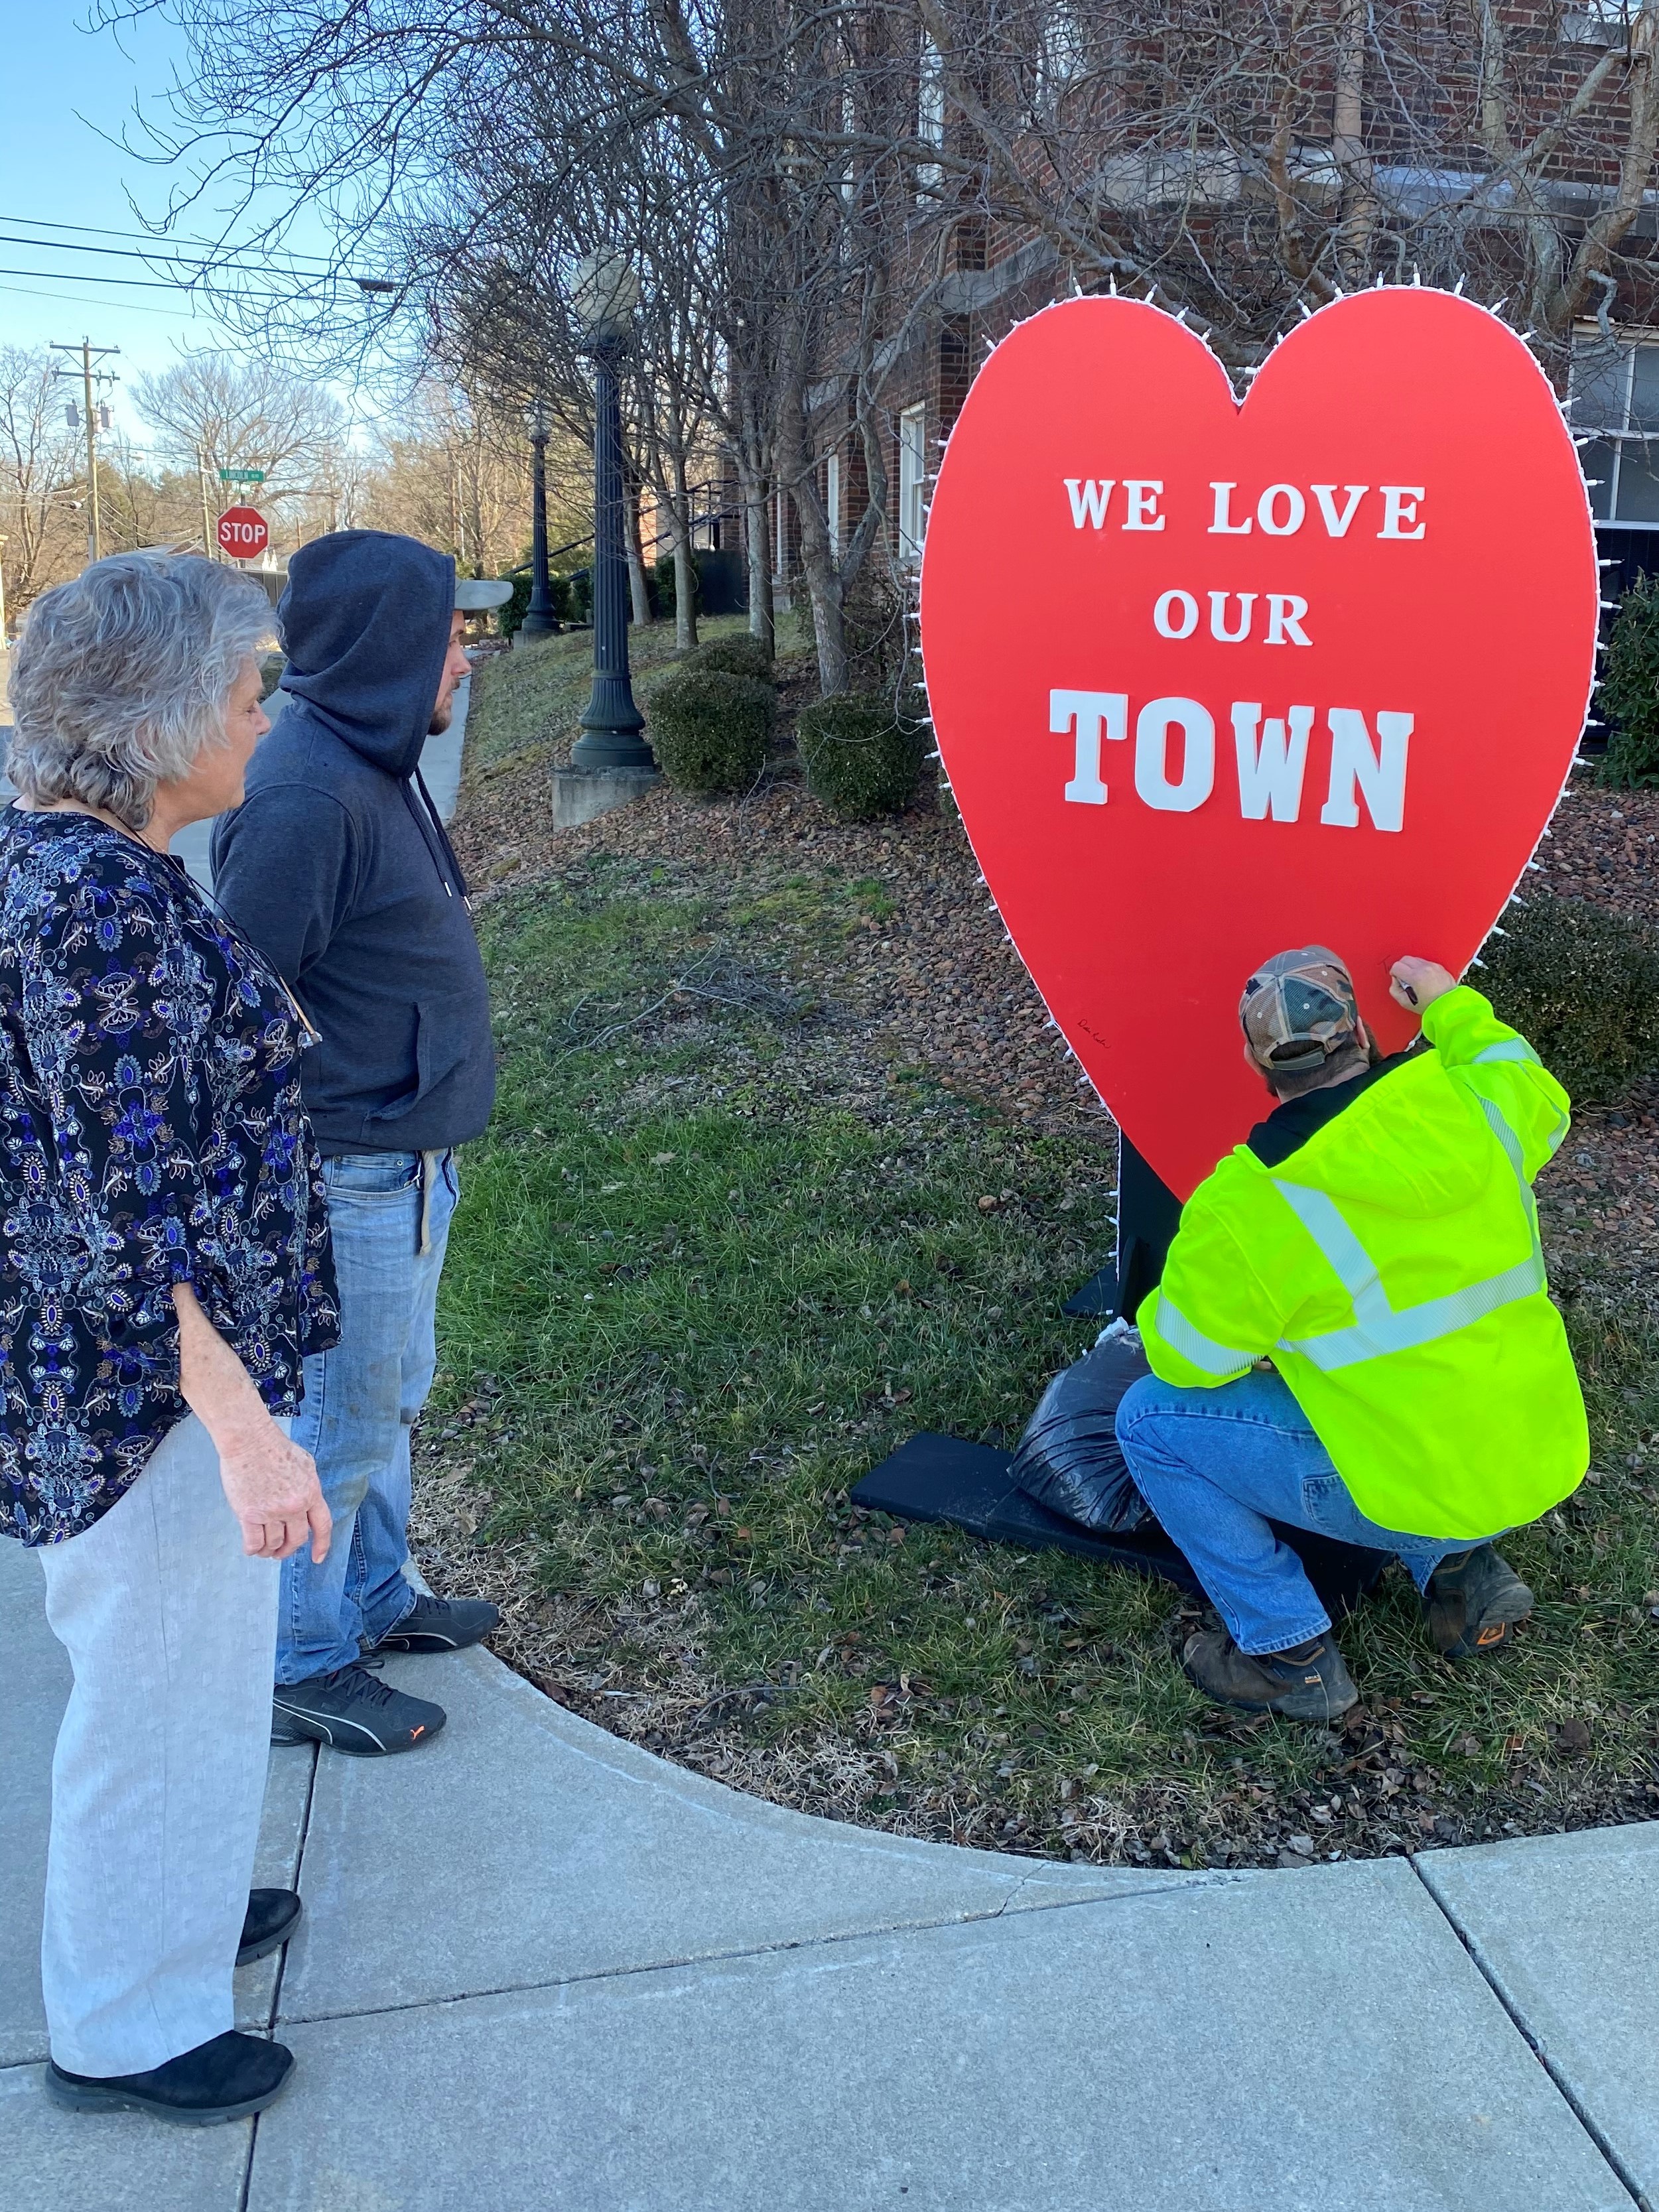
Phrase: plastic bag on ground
(1068, 1458)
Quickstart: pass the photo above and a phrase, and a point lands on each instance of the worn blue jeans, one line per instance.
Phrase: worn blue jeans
(361, 1401)
(1215, 1466)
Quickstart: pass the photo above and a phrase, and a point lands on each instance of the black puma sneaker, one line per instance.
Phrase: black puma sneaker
(443, 1623)
(353, 1710)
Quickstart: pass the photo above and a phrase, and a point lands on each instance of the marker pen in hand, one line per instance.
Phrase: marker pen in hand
(1409, 991)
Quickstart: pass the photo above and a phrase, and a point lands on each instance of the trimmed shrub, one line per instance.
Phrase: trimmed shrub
(734, 656)
(1582, 986)
(1629, 697)
(510, 617)
(861, 757)
(709, 729)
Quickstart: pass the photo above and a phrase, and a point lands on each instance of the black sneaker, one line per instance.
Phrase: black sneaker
(353, 1710)
(1310, 1682)
(224, 2080)
(443, 1623)
(1473, 1600)
(271, 1917)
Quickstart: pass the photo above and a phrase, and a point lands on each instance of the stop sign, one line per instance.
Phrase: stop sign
(242, 532)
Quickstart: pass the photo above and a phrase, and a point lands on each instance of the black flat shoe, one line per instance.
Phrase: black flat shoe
(224, 2080)
(272, 1916)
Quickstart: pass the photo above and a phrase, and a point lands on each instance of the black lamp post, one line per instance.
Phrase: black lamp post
(538, 620)
(607, 291)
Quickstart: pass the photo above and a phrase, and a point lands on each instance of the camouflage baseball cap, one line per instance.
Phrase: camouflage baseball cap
(1298, 1010)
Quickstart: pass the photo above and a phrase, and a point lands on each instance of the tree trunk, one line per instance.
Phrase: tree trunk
(757, 547)
(1354, 232)
(685, 568)
(685, 595)
(639, 592)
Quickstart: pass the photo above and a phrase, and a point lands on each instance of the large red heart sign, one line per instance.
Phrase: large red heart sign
(1211, 681)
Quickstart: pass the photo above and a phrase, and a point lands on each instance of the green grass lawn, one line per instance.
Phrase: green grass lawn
(715, 1259)
(532, 696)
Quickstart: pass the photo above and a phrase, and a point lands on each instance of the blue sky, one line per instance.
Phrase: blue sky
(60, 87)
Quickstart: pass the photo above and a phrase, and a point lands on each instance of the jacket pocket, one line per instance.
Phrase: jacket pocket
(441, 1032)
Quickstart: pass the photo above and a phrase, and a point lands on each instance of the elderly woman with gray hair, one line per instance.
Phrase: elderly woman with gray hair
(164, 1271)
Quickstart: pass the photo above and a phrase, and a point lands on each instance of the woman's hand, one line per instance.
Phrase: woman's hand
(1418, 983)
(271, 1482)
(272, 1487)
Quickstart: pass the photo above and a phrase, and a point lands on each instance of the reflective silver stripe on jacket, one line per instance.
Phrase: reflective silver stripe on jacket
(1377, 1328)
(1200, 1351)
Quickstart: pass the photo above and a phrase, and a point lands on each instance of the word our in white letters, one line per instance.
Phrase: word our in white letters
(1271, 756)
(1175, 614)
(1281, 510)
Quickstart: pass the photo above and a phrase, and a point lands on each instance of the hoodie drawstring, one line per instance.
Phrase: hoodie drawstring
(427, 821)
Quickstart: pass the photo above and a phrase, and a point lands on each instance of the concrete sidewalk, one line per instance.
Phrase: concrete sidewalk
(542, 1969)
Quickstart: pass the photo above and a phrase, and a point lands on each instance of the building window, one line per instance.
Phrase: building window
(912, 477)
(832, 502)
(1062, 48)
(779, 537)
(930, 116)
(1615, 389)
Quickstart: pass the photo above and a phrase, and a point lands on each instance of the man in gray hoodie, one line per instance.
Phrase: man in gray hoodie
(338, 868)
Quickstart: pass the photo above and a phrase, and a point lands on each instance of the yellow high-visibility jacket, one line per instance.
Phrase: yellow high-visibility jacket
(1389, 1267)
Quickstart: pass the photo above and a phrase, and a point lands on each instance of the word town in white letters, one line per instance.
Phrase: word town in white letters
(1271, 752)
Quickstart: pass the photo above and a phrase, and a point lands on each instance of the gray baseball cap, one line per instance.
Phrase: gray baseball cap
(1298, 1009)
(474, 593)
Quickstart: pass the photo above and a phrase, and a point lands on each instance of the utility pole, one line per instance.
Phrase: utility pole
(88, 354)
(207, 518)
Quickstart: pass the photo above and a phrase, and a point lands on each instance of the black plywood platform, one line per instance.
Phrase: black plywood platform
(970, 1486)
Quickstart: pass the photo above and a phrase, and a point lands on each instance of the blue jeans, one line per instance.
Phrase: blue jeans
(1215, 1466)
(362, 1401)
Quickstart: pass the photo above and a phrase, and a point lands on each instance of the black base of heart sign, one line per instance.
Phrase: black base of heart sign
(1210, 681)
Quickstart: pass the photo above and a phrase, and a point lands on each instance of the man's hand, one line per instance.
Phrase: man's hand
(273, 1490)
(1418, 983)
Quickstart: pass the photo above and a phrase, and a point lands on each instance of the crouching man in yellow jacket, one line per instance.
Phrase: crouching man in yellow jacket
(1353, 1332)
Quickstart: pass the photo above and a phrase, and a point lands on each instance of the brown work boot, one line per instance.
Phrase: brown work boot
(1310, 1682)
(1474, 1600)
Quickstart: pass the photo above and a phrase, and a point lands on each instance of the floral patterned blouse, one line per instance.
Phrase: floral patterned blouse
(151, 1133)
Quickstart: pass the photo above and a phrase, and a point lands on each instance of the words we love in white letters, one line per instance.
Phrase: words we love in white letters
(1176, 749)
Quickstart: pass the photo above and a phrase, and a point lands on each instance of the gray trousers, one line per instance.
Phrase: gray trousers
(159, 1776)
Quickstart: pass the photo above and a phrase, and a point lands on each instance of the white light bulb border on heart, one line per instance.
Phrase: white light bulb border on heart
(913, 612)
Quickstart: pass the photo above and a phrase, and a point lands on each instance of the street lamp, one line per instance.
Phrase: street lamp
(538, 620)
(607, 293)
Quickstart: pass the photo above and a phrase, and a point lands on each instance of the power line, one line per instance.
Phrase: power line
(80, 300)
(153, 283)
(98, 230)
(152, 260)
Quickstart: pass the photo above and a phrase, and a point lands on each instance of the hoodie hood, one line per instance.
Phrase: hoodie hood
(365, 623)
